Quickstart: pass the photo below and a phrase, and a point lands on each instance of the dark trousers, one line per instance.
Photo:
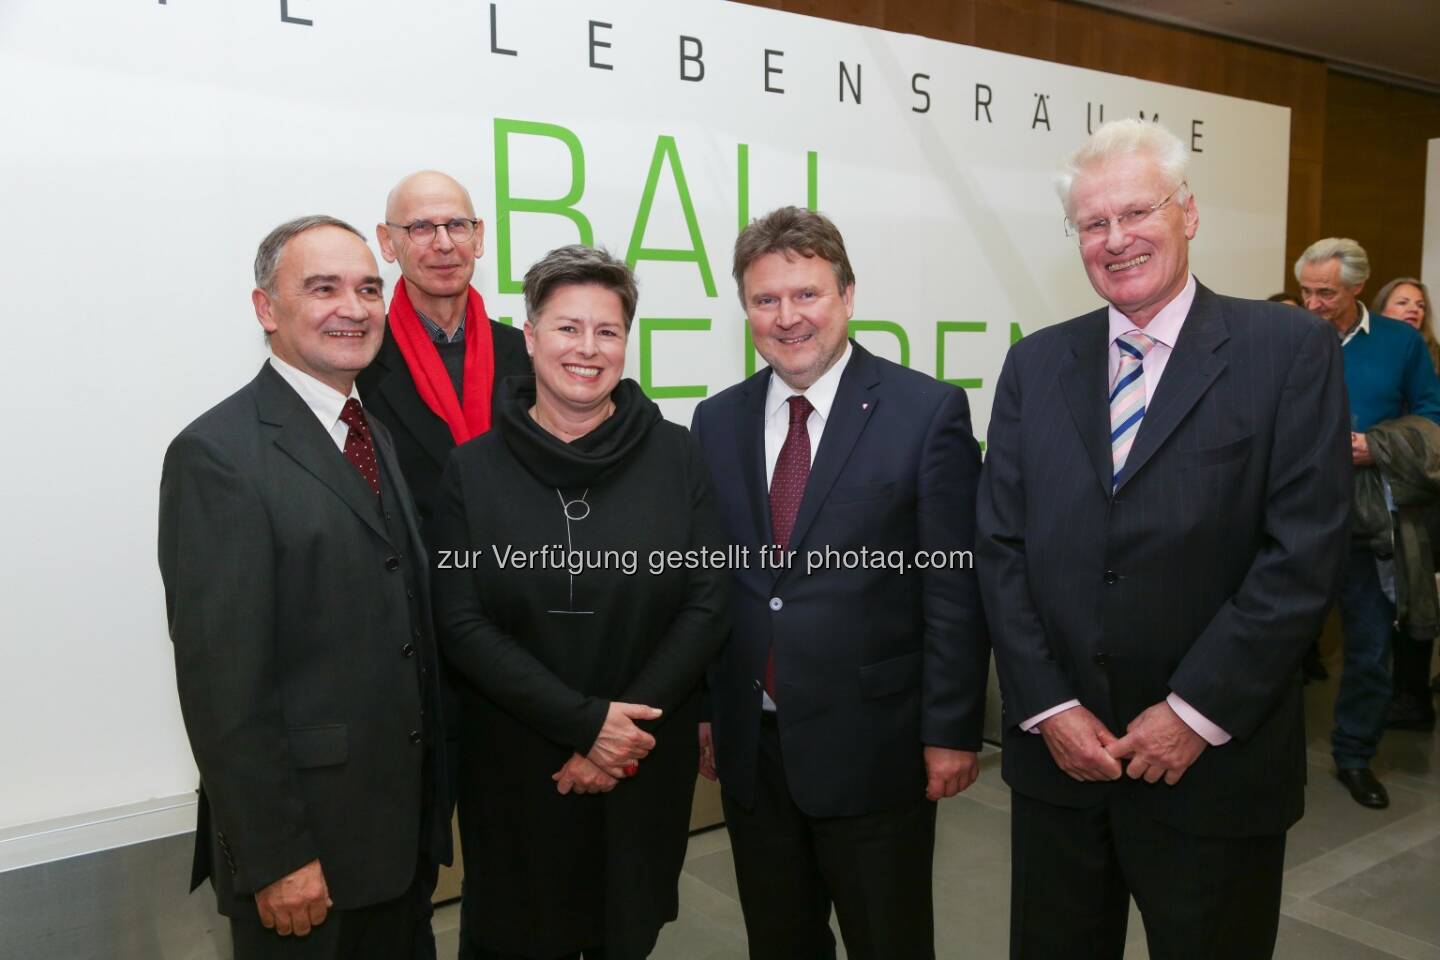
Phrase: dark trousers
(790, 867)
(423, 946)
(384, 931)
(1366, 616)
(1073, 873)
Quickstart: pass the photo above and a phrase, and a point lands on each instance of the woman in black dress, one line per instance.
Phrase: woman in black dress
(579, 639)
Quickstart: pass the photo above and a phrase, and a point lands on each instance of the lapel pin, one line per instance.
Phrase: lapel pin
(864, 406)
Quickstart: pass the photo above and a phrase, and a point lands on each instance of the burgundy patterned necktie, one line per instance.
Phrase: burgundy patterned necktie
(787, 489)
(359, 448)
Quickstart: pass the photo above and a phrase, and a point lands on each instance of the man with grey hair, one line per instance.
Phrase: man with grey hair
(298, 602)
(1387, 374)
(1149, 651)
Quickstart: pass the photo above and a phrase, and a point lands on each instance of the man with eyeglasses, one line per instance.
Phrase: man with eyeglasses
(1387, 375)
(1161, 523)
(439, 369)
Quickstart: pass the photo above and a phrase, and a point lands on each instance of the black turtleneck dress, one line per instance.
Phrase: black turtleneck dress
(539, 655)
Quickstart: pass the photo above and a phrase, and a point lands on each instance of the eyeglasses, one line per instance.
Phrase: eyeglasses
(1129, 220)
(422, 232)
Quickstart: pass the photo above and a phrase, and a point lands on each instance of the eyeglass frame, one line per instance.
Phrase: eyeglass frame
(1135, 217)
(409, 228)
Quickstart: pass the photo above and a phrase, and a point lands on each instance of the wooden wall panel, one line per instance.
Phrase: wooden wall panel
(1357, 147)
(1373, 187)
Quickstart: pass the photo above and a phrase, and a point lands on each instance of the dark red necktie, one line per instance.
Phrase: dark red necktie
(787, 489)
(359, 448)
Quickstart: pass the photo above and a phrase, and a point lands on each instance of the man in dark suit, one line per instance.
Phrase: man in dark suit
(439, 370)
(849, 697)
(298, 602)
(442, 360)
(1161, 525)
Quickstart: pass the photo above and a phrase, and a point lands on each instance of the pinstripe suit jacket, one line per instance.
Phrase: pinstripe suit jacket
(1208, 570)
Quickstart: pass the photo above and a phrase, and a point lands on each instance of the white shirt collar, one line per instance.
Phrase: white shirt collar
(323, 400)
(1362, 327)
(1165, 326)
(821, 393)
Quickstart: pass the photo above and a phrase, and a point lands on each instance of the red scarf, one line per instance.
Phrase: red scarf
(432, 381)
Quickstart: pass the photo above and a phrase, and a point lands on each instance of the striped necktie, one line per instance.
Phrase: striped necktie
(1127, 398)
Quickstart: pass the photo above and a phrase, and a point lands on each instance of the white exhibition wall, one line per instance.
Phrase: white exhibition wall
(149, 145)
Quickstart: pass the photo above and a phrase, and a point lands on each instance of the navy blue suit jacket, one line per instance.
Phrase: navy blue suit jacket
(871, 664)
(1207, 572)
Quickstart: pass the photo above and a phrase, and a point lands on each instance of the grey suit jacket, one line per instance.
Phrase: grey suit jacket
(303, 675)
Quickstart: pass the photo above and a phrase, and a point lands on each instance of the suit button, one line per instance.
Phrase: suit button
(1111, 576)
(407, 650)
(1101, 659)
(415, 736)
(392, 563)
(776, 604)
(757, 684)
(410, 594)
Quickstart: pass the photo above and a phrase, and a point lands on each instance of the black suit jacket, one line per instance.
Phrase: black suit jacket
(422, 440)
(1207, 573)
(301, 680)
(871, 664)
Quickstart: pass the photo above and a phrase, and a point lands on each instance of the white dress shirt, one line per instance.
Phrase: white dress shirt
(323, 400)
(1164, 329)
(777, 410)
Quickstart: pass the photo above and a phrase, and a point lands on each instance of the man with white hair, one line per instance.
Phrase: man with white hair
(1387, 375)
(1161, 522)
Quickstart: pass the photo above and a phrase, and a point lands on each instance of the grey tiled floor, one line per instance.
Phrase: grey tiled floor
(1359, 884)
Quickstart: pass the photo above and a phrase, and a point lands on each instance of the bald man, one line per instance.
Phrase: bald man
(442, 360)
(438, 372)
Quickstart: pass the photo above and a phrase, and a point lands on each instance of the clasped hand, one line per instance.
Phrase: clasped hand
(618, 749)
(1156, 744)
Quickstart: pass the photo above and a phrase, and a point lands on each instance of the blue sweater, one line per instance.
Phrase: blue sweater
(1388, 374)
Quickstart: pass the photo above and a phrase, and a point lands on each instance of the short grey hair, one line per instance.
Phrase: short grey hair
(267, 257)
(579, 265)
(1354, 263)
(1123, 138)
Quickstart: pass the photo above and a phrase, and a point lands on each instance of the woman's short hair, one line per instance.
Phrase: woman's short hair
(579, 265)
(792, 230)
(1124, 138)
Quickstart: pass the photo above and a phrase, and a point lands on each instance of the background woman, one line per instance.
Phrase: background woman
(1405, 298)
(580, 662)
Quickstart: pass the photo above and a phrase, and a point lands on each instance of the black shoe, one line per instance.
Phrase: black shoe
(1408, 713)
(1364, 788)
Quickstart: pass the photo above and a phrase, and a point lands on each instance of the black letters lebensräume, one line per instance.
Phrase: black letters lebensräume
(915, 85)
(983, 102)
(693, 57)
(495, 37)
(772, 70)
(599, 43)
